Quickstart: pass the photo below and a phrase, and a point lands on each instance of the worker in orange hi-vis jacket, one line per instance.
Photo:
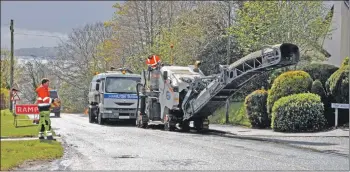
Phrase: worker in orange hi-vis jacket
(44, 104)
(152, 61)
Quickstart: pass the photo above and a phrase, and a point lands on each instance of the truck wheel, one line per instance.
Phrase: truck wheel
(185, 126)
(168, 127)
(58, 114)
(168, 124)
(91, 116)
(141, 124)
(100, 120)
(201, 125)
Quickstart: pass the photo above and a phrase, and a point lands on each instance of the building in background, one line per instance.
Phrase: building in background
(338, 45)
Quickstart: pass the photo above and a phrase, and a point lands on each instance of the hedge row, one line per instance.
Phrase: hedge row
(300, 100)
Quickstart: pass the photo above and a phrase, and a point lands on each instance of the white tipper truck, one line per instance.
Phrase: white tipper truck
(112, 96)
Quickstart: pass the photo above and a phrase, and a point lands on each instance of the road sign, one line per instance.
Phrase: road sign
(26, 109)
(340, 106)
(14, 96)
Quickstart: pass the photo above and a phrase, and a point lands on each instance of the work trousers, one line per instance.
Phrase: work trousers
(44, 121)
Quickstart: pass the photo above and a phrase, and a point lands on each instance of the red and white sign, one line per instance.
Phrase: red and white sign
(27, 109)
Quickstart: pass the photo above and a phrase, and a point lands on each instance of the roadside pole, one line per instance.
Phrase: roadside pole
(12, 65)
(228, 59)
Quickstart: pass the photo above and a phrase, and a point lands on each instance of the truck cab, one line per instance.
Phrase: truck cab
(57, 109)
(113, 96)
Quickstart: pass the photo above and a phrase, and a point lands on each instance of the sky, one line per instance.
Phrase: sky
(53, 19)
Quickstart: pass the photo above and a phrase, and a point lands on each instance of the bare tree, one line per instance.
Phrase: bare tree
(78, 59)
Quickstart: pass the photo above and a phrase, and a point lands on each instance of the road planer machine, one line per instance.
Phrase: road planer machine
(174, 96)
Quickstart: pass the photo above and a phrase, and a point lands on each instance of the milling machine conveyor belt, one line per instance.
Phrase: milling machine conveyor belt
(234, 76)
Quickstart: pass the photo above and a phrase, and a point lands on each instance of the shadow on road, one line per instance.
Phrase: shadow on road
(130, 123)
(269, 139)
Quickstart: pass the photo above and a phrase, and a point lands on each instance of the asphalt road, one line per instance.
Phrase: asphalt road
(121, 147)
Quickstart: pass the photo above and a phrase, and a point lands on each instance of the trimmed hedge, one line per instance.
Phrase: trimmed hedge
(298, 112)
(317, 88)
(291, 82)
(319, 71)
(337, 85)
(255, 105)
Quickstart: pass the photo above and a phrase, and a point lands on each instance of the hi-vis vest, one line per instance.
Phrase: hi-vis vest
(153, 61)
(43, 101)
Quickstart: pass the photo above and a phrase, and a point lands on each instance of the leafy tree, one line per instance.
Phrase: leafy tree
(304, 23)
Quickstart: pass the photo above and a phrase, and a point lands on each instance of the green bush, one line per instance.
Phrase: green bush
(337, 87)
(4, 98)
(297, 113)
(291, 82)
(317, 88)
(319, 71)
(255, 106)
(337, 84)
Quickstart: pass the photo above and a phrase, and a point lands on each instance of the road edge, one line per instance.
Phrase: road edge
(271, 140)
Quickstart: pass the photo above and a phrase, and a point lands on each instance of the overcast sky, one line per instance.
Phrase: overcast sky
(53, 18)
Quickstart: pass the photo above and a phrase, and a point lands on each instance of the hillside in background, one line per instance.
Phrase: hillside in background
(37, 52)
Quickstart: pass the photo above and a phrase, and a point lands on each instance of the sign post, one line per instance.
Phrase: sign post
(337, 106)
(25, 109)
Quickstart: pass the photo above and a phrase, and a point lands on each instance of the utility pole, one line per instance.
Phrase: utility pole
(11, 74)
(228, 58)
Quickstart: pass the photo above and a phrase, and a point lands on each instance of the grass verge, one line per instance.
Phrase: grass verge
(237, 115)
(24, 128)
(14, 153)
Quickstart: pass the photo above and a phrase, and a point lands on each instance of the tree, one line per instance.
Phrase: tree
(304, 23)
(33, 72)
(5, 69)
(78, 59)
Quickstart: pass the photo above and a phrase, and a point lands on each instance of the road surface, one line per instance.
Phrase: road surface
(96, 147)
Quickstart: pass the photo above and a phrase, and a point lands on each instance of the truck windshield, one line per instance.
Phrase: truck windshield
(121, 84)
(53, 94)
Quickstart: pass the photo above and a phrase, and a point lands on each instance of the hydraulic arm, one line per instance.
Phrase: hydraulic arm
(207, 93)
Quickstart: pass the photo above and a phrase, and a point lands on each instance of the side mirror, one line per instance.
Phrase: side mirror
(165, 75)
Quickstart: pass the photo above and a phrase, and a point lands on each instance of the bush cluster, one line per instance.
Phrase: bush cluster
(255, 105)
(337, 87)
(291, 82)
(319, 71)
(301, 100)
(298, 112)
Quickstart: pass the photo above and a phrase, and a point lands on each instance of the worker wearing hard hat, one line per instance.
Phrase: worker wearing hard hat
(44, 104)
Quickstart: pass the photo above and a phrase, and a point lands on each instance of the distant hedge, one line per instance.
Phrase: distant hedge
(319, 71)
(291, 82)
(297, 113)
(255, 105)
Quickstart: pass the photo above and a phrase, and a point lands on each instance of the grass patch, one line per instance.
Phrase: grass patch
(237, 115)
(14, 153)
(24, 128)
